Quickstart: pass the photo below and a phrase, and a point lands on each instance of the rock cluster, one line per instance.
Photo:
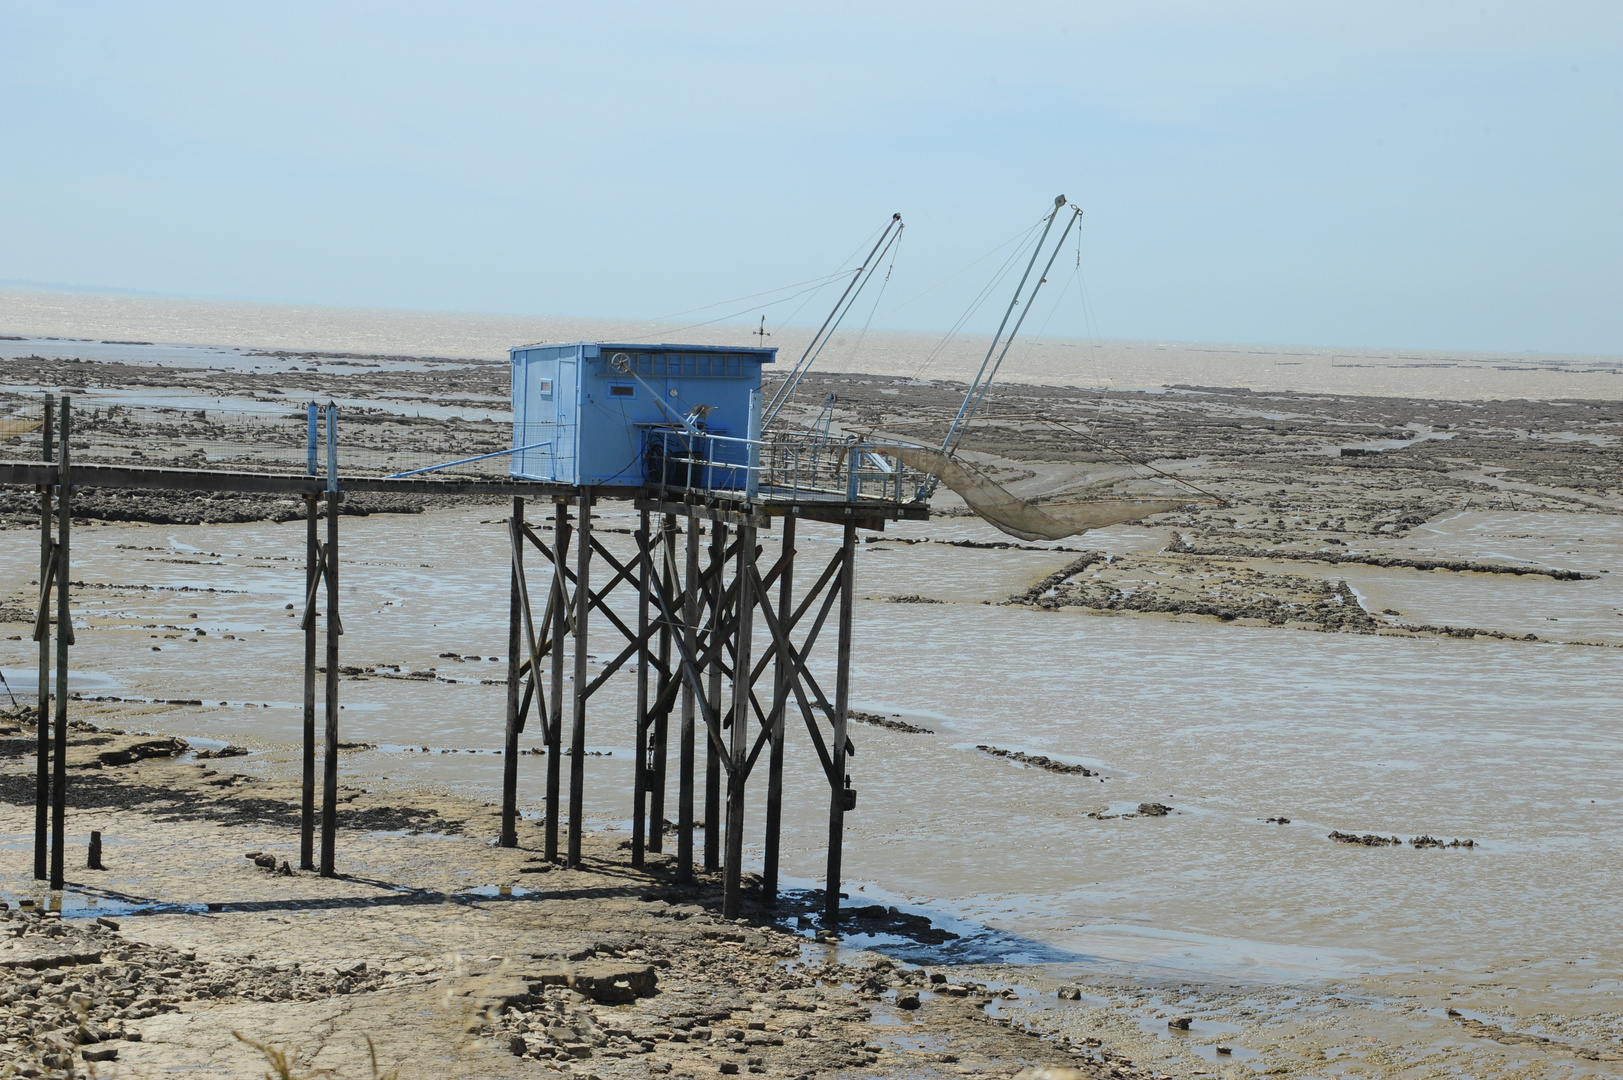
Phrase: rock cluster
(73, 989)
(888, 722)
(1373, 840)
(1037, 761)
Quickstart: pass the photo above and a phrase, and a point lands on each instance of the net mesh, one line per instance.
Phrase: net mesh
(1020, 517)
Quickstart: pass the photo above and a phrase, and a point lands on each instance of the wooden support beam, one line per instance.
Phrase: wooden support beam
(329, 774)
(515, 625)
(780, 694)
(662, 716)
(689, 644)
(64, 637)
(739, 748)
(42, 634)
(559, 603)
(639, 797)
(307, 790)
(712, 761)
(842, 702)
(577, 735)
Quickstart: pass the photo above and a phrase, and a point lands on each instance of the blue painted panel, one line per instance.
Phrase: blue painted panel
(596, 418)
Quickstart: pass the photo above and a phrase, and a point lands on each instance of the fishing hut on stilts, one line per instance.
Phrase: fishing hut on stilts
(721, 642)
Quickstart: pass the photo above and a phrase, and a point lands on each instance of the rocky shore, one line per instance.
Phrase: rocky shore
(451, 955)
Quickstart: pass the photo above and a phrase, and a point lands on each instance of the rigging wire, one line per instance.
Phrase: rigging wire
(980, 299)
(1045, 418)
(973, 262)
(882, 286)
(732, 315)
(817, 282)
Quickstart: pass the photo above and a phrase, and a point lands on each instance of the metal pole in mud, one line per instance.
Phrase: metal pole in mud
(577, 734)
(639, 811)
(662, 720)
(42, 727)
(64, 637)
(842, 706)
(509, 836)
(560, 623)
(738, 748)
(312, 569)
(780, 703)
(684, 783)
(329, 773)
(712, 763)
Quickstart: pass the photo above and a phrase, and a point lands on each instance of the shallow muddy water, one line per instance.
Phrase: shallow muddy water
(1512, 744)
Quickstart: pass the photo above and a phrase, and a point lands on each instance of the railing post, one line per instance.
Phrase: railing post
(752, 456)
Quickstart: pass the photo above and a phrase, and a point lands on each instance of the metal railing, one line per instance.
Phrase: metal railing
(793, 466)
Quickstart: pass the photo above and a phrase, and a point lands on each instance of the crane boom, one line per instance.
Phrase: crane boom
(853, 288)
(989, 368)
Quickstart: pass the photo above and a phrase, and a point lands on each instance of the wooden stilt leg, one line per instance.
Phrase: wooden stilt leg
(780, 702)
(842, 706)
(740, 744)
(690, 637)
(42, 726)
(712, 763)
(307, 794)
(577, 735)
(515, 615)
(329, 774)
(662, 719)
(639, 798)
(560, 626)
(64, 637)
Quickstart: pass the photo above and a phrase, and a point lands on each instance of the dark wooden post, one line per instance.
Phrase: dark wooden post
(64, 637)
(560, 624)
(780, 704)
(307, 800)
(42, 726)
(662, 720)
(712, 763)
(577, 734)
(738, 748)
(509, 837)
(690, 636)
(639, 799)
(329, 775)
(842, 706)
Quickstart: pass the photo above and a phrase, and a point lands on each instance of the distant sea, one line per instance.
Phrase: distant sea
(1054, 361)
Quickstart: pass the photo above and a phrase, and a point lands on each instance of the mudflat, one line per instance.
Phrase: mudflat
(435, 953)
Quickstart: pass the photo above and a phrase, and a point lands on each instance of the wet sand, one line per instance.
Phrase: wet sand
(1399, 639)
(455, 957)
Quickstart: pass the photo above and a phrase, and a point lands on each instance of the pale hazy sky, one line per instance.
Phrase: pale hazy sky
(1421, 174)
